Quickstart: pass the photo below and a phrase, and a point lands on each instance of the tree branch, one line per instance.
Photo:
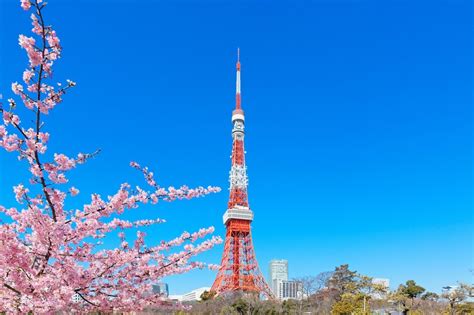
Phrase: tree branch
(12, 288)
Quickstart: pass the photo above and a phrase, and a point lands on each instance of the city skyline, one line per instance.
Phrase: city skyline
(359, 142)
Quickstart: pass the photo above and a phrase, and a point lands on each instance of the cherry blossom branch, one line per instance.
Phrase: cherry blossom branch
(46, 252)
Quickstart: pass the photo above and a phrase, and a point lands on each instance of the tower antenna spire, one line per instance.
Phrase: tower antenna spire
(237, 86)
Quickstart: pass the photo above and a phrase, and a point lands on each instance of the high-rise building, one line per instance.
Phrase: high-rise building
(278, 269)
(239, 268)
(161, 288)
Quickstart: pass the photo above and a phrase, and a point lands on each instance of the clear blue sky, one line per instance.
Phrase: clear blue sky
(359, 123)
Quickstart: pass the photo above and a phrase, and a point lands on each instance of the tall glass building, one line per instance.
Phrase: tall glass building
(278, 270)
(282, 288)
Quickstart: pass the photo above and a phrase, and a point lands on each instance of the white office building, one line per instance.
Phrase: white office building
(76, 298)
(194, 295)
(175, 297)
(285, 290)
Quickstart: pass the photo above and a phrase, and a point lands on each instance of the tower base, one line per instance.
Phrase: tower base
(239, 270)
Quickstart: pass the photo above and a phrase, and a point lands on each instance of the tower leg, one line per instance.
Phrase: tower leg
(236, 266)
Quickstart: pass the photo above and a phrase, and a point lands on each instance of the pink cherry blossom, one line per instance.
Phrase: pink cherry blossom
(29, 104)
(25, 5)
(6, 117)
(17, 88)
(10, 143)
(71, 83)
(52, 39)
(63, 162)
(11, 102)
(37, 28)
(44, 137)
(27, 75)
(74, 191)
(214, 266)
(15, 119)
(20, 191)
(28, 43)
(36, 170)
(57, 178)
(32, 87)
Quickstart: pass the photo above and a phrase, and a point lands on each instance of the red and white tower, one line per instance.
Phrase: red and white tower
(239, 269)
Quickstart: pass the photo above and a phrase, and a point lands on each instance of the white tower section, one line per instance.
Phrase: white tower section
(238, 179)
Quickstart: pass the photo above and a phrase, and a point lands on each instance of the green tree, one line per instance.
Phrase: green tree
(352, 291)
(342, 281)
(411, 289)
(207, 295)
(367, 288)
(290, 307)
(465, 309)
(457, 296)
(430, 296)
(349, 304)
(407, 294)
(228, 310)
(241, 306)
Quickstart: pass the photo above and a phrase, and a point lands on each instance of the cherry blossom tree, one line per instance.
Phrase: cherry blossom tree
(50, 253)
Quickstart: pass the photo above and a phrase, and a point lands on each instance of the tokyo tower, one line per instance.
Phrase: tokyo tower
(239, 270)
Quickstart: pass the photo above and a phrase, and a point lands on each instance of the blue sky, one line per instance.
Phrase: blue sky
(358, 120)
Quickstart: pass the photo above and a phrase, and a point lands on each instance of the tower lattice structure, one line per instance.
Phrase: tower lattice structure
(239, 271)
